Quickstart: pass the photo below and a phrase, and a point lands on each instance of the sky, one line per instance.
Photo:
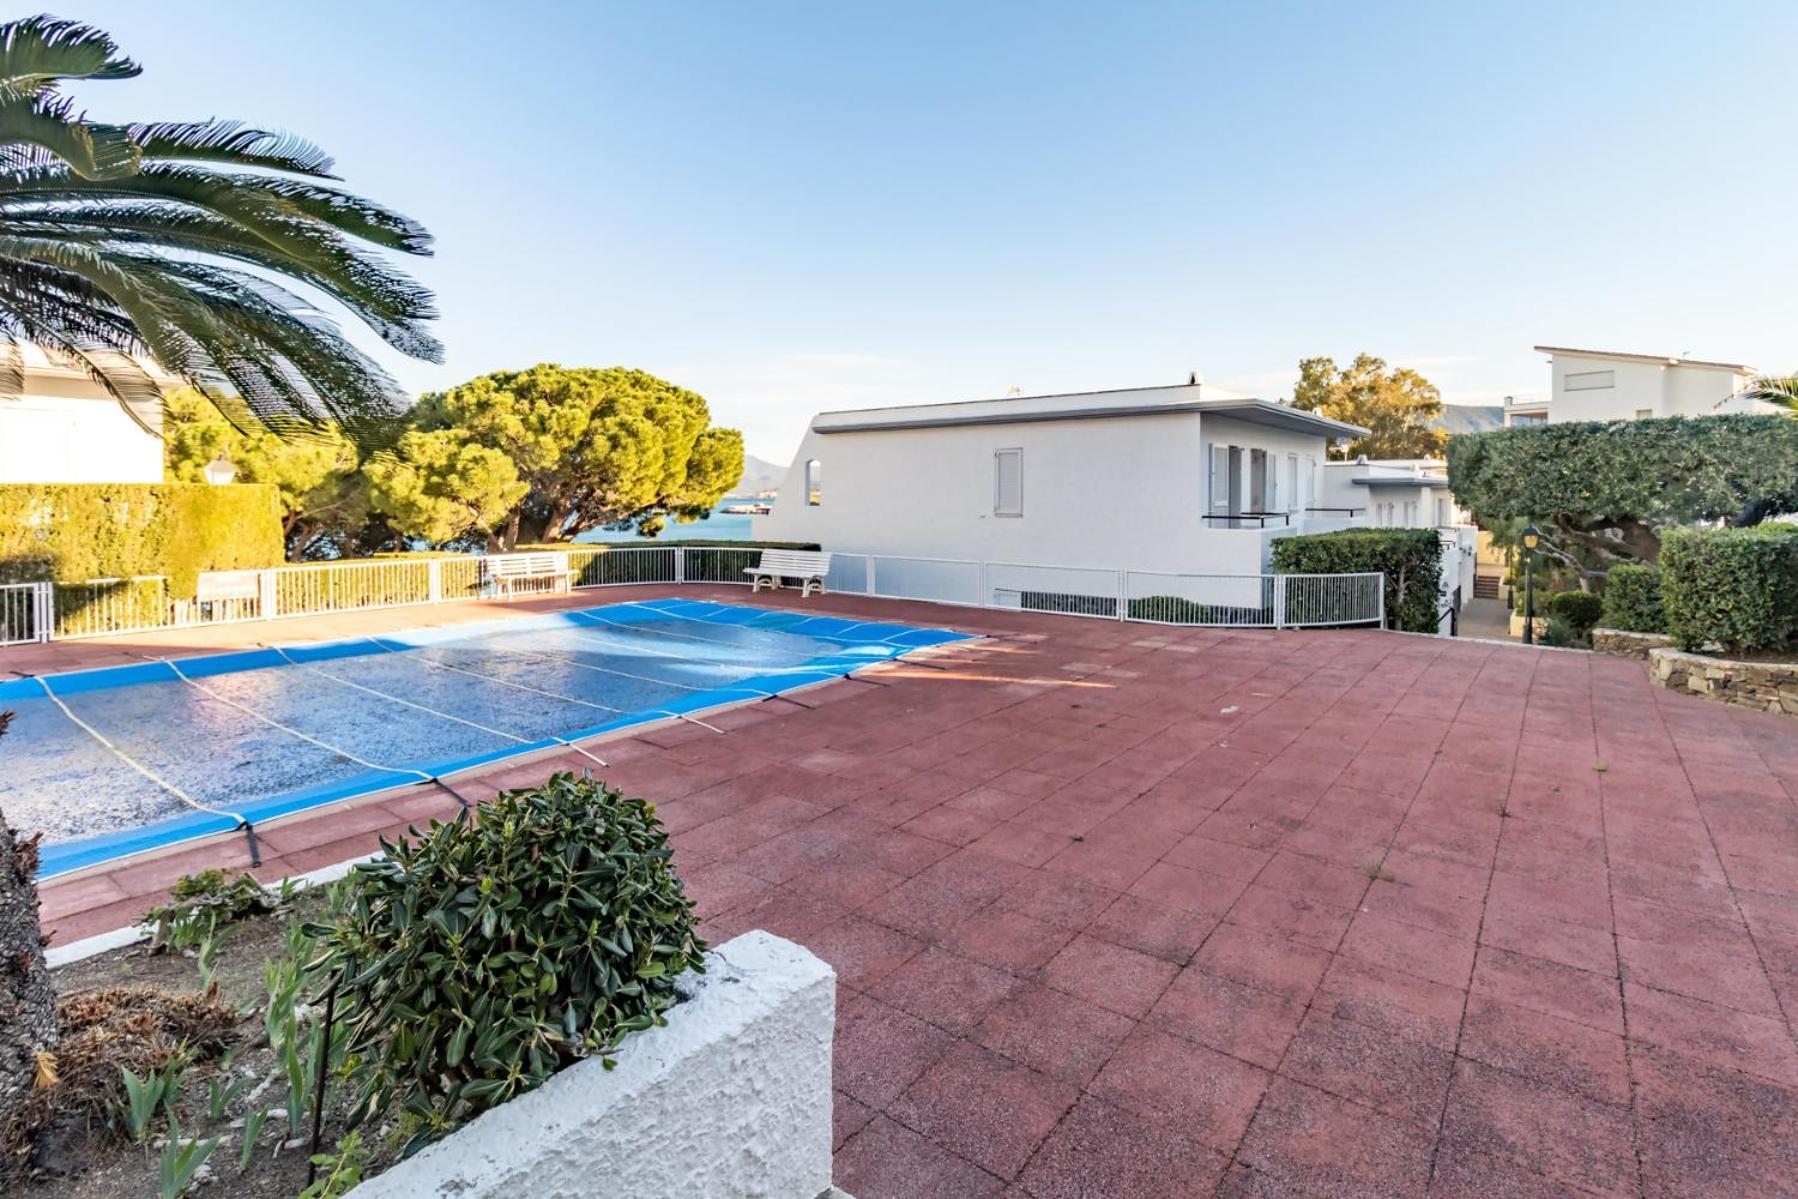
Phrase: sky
(795, 207)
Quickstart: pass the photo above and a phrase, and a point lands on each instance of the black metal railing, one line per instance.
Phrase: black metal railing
(1248, 520)
(1339, 511)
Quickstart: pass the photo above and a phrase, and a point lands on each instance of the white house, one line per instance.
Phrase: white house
(65, 428)
(1149, 478)
(1405, 493)
(1596, 385)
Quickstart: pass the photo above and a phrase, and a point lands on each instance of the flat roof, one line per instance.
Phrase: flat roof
(1080, 405)
(1659, 359)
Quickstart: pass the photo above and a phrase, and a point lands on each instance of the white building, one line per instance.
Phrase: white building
(1595, 385)
(65, 428)
(1401, 493)
(1152, 478)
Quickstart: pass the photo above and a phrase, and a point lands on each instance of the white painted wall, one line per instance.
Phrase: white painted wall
(1655, 388)
(730, 1101)
(64, 429)
(1124, 492)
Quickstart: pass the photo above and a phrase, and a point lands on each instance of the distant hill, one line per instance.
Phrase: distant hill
(759, 475)
(1471, 418)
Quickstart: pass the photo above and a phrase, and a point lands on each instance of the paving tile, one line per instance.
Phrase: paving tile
(1391, 945)
(1169, 933)
(1054, 1032)
(1337, 885)
(1204, 1094)
(880, 1050)
(886, 1160)
(1228, 1016)
(1103, 1150)
(861, 951)
(1579, 946)
(848, 1117)
(1557, 1052)
(1711, 1033)
(985, 1108)
(946, 989)
(1264, 960)
(1068, 903)
(1544, 986)
(1197, 852)
(1568, 1137)
(1396, 1075)
(1119, 979)
(1294, 917)
(1319, 1144)
(1007, 940)
(1397, 1003)
(1723, 1109)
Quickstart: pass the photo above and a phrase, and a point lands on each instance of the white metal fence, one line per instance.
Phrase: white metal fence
(56, 611)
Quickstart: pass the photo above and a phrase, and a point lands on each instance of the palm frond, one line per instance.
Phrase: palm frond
(48, 122)
(230, 142)
(1781, 390)
(35, 52)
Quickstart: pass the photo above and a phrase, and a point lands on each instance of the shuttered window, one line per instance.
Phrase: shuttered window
(1220, 479)
(1008, 482)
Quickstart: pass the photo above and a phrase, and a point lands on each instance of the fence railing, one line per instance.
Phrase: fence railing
(32, 612)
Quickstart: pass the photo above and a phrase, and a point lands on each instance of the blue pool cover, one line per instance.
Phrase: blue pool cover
(108, 763)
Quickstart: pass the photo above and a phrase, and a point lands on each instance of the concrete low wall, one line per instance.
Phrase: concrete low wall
(730, 1100)
(1769, 686)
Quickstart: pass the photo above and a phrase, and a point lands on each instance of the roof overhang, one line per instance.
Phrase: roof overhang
(1095, 405)
(1655, 359)
(1401, 481)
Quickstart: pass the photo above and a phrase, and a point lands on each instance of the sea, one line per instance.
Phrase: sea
(719, 526)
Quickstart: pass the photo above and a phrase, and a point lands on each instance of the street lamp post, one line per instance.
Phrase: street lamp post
(220, 471)
(1531, 535)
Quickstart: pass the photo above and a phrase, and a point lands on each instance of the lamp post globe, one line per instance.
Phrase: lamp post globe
(219, 471)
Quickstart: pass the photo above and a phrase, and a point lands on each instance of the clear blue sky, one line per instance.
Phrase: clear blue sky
(792, 207)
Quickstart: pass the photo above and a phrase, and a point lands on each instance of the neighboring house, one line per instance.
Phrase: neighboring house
(1151, 478)
(1595, 385)
(65, 428)
(1410, 493)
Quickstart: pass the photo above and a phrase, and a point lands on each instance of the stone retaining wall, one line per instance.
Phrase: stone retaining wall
(1624, 644)
(1769, 686)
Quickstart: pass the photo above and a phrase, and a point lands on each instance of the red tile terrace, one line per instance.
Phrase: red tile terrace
(1120, 910)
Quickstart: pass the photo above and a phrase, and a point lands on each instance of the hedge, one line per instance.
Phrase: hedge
(1632, 600)
(74, 532)
(1737, 588)
(1411, 559)
(1580, 609)
(1672, 469)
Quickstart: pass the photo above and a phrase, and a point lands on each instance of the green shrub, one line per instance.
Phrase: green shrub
(75, 532)
(1557, 631)
(1580, 609)
(1735, 587)
(485, 955)
(1411, 559)
(1632, 600)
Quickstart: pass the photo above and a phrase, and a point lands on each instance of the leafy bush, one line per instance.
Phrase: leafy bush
(1557, 631)
(1588, 469)
(1580, 609)
(1632, 600)
(482, 957)
(1735, 587)
(199, 903)
(75, 532)
(1410, 558)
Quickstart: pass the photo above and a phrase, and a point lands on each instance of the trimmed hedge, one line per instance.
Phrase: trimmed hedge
(1632, 600)
(1735, 587)
(1410, 558)
(1672, 470)
(74, 532)
(1580, 609)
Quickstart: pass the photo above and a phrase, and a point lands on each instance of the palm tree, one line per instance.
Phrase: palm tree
(1775, 389)
(163, 243)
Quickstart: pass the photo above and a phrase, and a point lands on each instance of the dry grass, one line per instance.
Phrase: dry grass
(108, 1030)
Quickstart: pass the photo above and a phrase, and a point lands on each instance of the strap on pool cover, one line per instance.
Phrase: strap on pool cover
(243, 823)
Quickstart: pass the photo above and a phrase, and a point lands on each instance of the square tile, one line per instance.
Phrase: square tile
(1102, 1150)
(1054, 1032)
(1204, 1094)
(945, 989)
(1118, 979)
(1568, 1137)
(1169, 933)
(985, 1108)
(886, 1160)
(1228, 1016)
(1319, 1144)
(1396, 1075)
(1264, 960)
(880, 1050)
(1009, 941)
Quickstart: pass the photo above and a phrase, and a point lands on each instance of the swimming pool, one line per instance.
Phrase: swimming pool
(107, 763)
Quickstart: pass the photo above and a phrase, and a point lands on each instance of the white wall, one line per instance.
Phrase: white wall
(1119, 492)
(1659, 389)
(730, 1101)
(56, 434)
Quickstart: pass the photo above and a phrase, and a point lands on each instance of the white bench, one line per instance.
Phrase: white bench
(808, 566)
(508, 570)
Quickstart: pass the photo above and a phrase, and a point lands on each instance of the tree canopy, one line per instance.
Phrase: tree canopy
(1608, 487)
(173, 242)
(1397, 405)
(442, 486)
(594, 447)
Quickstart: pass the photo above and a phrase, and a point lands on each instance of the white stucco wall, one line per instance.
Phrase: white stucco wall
(730, 1101)
(64, 430)
(1686, 389)
(1114, 493)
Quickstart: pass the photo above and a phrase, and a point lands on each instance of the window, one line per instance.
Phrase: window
(1443, 515)
(1644, 413)
(814, 482)
(1220, 479)
(1589, 381)
(1292, 482)
(1310, 481)
(1008, 482)
(1410, 514)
